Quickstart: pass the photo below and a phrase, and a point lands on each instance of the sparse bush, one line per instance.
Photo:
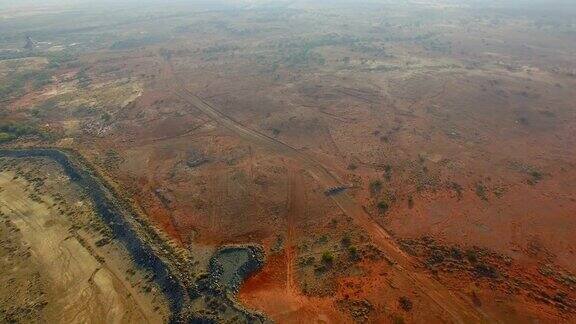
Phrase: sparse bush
(346, 240)
(383, 206)
(375, 186)
(536, 176)
(388, 172)
(405, 303)
(481, 191)
(485, 270)
(457, 188)
(323, 239)
(327, 257)
(106, 117)
(354, 253)
(472, 256)
(435, 257)
(455, 253)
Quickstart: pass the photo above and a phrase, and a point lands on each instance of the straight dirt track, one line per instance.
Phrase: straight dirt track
(456, 308)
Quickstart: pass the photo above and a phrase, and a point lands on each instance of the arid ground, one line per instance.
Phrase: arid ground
(396, 161)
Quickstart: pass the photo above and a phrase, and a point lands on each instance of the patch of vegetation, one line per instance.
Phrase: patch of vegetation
(359, 309)
(481, 191)
(106, 117)
(346, 240)
(328, 257)
(318, 41)
(112, 159)
(12, 131)
(42, 109)
(485, 270)
(435, 257)
(302, 58)
(10, 55)
(535, 177)
(278, 244)
(383, 206)
(299, 52)
(478, 263)
(15, 85)
(58, 59)
(132, 43)
(219, 49)
(498, 191)
(354, 252)
(84, 111)
(388, 172)
(323, 239)
(457, 188)
(472, 256)
(6, 137)
(375, 186)
(83, 79)
(302, 262)
(405, 303)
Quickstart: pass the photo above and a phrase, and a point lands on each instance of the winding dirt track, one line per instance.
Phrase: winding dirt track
(456, 308)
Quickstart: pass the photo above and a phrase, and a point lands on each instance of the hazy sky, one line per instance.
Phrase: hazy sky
(526, 4)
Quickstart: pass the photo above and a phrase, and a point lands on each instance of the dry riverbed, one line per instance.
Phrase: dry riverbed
(57, 261)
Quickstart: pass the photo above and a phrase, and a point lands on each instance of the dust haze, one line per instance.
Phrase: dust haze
(328, 161)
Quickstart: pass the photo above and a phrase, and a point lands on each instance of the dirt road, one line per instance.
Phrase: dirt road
(458, 309)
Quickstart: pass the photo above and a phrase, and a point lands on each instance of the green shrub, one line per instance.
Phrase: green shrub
(12, 131)
(383, 206)
(354, 253)
(328, 257)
